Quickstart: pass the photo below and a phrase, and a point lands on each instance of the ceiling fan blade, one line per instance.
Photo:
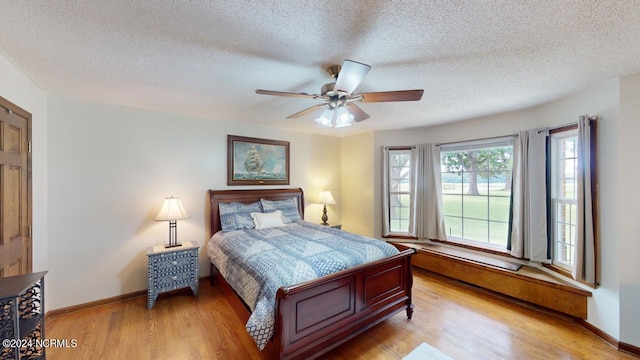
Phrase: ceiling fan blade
(289, 94)
(357, 112)
(388, 96)
(307, 110)
(350, 76)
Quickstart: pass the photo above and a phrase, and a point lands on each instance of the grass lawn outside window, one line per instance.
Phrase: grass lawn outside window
(478, 220)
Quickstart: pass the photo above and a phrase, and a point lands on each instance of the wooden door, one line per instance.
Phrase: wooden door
(15, 190)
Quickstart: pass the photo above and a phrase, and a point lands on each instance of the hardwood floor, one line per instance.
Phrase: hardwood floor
(461, 321)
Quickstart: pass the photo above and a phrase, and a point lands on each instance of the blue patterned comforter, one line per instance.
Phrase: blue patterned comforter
(258, 262)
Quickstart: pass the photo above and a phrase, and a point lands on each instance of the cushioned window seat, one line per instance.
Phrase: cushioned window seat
(522, 282)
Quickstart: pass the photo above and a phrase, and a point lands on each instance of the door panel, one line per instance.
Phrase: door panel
(15, 190)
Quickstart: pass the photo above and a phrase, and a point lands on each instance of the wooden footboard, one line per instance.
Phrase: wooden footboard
(315, 317)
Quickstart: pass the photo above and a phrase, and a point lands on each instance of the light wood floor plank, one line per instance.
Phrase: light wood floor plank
(461, 321)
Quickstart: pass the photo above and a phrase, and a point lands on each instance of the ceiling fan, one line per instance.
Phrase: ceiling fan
(339, 98)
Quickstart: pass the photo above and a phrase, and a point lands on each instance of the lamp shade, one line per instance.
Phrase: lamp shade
(336, 117)
(343, 118)
(172, 209)
(326, 119)
(326, 198)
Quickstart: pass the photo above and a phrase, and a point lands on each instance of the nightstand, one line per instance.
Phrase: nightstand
(338, 226)
(171, 269)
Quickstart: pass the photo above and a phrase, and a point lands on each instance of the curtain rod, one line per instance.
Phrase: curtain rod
(487, 138)
(557, 127)
(399, 147)
(592, 118)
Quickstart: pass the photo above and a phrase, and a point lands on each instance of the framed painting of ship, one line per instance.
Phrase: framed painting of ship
(253, 161)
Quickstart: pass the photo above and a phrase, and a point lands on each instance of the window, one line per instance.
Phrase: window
(476, 191)
(399, 190)
(546, 221)
(564, 168)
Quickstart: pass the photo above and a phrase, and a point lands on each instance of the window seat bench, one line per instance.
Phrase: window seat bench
(521, 282)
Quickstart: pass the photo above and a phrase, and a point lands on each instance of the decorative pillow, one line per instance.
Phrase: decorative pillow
(267, 220)
(237, 216)
(289, 208)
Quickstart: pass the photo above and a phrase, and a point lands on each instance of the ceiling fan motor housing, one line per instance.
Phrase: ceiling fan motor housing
(335, 99)
(326, 88)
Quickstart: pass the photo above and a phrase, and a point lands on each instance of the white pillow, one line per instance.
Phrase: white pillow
(267, 220)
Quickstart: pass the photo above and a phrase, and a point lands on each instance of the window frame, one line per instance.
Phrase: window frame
(556, 199)
(595, 203)
(488, 246)
(388, 193)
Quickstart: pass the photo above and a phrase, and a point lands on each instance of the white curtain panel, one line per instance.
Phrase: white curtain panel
(519, 193)
(416, 180)
(529, 199)
(537, 217)
(585, 266)
(428, 216)
(413, 219)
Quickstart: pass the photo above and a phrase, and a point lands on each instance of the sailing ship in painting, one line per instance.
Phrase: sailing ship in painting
(253, 163)
(258, 162)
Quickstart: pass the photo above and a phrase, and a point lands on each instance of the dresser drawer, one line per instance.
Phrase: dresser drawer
(171, 262)
(166, 281)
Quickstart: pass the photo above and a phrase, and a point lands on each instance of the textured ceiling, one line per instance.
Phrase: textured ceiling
(207, 58)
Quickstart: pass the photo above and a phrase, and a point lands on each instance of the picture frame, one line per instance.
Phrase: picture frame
(254, 161)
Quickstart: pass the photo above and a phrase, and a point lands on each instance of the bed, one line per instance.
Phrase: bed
(315, 316)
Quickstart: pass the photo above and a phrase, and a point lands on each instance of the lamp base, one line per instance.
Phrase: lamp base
(324, 216)
(173, 235)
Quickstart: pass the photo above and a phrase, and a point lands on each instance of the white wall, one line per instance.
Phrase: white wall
(110, 168)
(21, 91)
(614, 305)
(358, 196)
(627, 199)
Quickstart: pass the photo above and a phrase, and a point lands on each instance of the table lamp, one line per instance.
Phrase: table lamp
(325, 198)
(172, 210)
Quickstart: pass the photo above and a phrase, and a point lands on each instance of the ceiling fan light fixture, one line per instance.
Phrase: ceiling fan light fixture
(343, 118)
(326, 119)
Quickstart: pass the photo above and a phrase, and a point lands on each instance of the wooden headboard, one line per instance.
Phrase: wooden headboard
(247, 197)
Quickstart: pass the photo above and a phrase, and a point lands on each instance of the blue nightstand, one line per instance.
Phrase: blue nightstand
(171, 269)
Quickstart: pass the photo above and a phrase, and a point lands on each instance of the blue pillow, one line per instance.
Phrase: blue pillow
(237, 216)
(289, 208)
